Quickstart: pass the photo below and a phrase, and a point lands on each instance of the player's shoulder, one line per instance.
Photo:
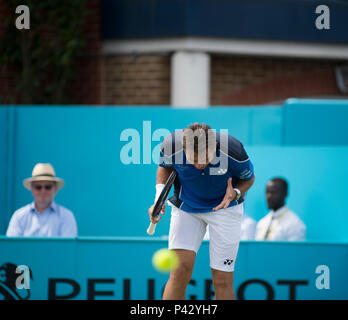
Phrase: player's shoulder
(231, 146)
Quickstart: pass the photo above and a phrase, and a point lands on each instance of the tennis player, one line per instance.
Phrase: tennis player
(214, 172)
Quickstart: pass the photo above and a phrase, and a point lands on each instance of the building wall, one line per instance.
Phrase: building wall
(136, 80)
(246, 81)
(145, 80)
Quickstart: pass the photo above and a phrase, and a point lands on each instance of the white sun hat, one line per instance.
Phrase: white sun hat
(43, 172)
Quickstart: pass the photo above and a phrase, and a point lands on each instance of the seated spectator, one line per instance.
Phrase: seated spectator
(280, 224)
(43, 217)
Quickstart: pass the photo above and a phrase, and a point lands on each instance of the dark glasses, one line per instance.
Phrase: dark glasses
(47, 187)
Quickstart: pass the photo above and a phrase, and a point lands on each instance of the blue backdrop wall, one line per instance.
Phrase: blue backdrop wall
(108, 268)
(304, 141)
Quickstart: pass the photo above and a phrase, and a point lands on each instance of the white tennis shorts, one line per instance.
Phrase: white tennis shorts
(187, 231)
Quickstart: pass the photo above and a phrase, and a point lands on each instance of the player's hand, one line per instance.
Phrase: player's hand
(229, 196)
(155, 220)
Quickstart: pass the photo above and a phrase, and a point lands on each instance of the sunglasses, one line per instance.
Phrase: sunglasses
(47, 187)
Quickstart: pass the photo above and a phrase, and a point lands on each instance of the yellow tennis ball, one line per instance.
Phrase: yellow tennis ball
(165, 260)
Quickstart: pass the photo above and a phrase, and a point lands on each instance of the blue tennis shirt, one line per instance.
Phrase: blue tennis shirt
(199, 191)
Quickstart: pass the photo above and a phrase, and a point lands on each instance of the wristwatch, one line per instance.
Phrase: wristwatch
(239, 194)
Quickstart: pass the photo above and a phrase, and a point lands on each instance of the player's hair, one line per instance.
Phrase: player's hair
(200, 131)
(282, 182)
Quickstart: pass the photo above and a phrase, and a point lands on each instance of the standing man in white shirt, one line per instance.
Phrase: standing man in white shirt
(280, 224)
(43, 217)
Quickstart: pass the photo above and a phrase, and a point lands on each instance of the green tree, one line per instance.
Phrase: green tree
(44, 57)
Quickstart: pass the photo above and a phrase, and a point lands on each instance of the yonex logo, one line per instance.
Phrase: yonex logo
(228, 262)
(221, 171)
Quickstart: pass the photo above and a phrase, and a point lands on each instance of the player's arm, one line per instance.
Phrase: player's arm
(163, 174)
(161, 178)
(231, 194)
(159, 206)
(165, 168)
(244, 185)
(242, 169)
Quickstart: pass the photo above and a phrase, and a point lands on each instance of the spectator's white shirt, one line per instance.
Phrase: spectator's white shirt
(55, 221)
(283, 224)
(248, 226)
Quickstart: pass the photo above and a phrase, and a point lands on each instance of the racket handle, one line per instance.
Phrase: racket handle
(151, 229)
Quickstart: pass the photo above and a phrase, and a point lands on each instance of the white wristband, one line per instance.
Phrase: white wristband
(159, 188)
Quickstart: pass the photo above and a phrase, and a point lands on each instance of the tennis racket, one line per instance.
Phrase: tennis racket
(161, 201)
